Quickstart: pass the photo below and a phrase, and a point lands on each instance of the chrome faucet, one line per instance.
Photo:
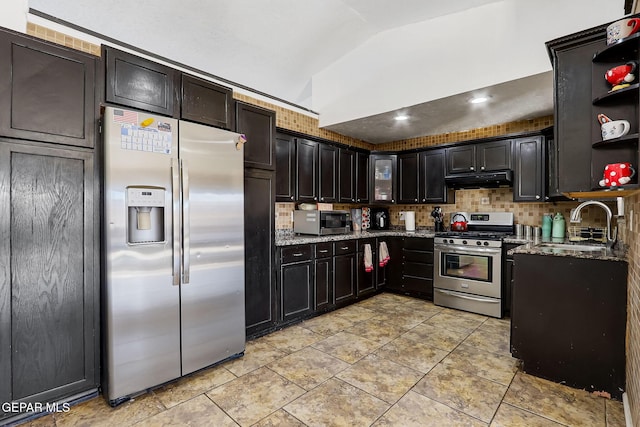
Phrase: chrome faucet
(575, 217)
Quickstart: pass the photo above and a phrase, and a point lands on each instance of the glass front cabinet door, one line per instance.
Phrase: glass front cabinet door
(383, 178)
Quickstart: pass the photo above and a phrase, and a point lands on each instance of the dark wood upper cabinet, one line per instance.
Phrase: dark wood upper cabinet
(258, 125)
(571, 57)
(139, 83)
(432, 170)
(383, 178)
(347, 176)
(529, 178)
(206, 102)
(362, 177)
(492, 156)
(47, 92)
(408, 178)
(285, 168)
(482, 157)
(461, 159)
(327, 173)
(306, 170)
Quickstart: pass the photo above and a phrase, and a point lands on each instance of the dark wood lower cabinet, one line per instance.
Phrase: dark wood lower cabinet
(49, 275)
(366, 283)
(410, 270)
(507, 277)
(296, 281)
(259, 224)
(314, 278)
(324, 283)
(417, 266)
(569, 320)
(345, 276)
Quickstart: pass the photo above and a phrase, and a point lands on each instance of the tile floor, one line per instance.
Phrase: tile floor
(386, 361)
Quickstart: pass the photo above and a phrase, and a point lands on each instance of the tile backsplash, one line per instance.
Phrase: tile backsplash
(500, 200)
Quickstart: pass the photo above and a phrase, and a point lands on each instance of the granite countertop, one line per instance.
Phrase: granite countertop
(537, 247)
(287, 237)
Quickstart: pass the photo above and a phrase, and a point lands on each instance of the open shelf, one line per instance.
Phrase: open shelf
(627, 139)
(619, 50)
(618, 94)
(604, 193)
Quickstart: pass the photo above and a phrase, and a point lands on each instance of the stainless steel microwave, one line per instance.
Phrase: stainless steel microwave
(321, 223)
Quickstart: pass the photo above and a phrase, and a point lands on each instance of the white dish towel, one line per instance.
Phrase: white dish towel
(368, 258)
(383, 254)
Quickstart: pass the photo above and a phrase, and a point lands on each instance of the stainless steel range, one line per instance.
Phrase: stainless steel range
(468, 264)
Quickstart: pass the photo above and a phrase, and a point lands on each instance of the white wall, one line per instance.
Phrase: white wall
(433, 59)
(13, 15)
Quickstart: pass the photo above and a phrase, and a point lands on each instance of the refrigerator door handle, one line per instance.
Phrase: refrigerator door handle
(175, 198)
(186, 263)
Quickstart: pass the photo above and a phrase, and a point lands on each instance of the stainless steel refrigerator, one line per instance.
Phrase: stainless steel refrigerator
(174, 249)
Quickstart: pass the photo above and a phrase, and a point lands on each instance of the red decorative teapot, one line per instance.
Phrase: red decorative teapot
(622, 73)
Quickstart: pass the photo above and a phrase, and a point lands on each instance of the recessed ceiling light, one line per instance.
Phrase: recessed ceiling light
(401, 117)
(479, 99)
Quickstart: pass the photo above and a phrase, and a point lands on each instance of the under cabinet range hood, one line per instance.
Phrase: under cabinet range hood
(479, 179)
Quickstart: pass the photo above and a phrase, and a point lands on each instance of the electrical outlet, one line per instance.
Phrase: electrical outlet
(291, 216)
(401, 215)
(485, 201)
(631, 220)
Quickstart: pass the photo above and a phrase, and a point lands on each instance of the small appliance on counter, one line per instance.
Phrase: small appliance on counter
(321, 223)
(379, 219)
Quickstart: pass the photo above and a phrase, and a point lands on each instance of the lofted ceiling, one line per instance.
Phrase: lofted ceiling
(278, 46)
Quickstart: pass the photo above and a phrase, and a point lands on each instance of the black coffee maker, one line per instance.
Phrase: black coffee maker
(379, 218)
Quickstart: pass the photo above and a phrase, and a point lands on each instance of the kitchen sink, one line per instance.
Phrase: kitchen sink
(573, 247)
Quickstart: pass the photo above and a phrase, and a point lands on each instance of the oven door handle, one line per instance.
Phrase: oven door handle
(459, 295)
(466, 250)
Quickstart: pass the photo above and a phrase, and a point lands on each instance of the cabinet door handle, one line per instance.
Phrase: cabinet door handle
(298, 254)
(472, 168)
(315, 198)
(537, 197)
(393, 201)
(358, 199)
(324, 251)
(416, 200)
(291, 197)
(482, 168)
(344, 248)
(424, 200)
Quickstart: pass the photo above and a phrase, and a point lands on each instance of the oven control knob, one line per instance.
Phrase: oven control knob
(478, 243)
(464, 242)
(450, 240)
(486, 243)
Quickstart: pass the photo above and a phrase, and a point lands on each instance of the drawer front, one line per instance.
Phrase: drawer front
(324, 250)
(424, 286)
(418, 256)
(415, 269)
(345, 247)
(296, 253)
(419, 244)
